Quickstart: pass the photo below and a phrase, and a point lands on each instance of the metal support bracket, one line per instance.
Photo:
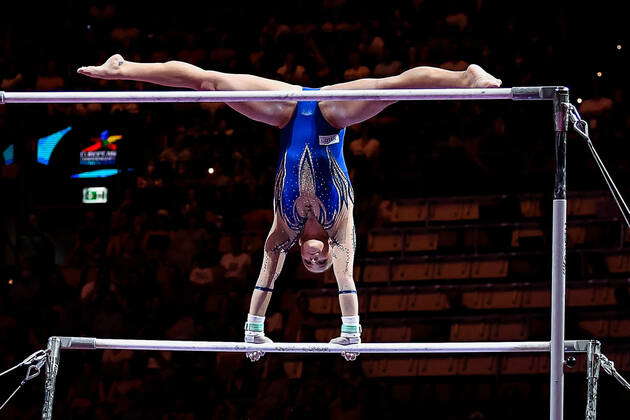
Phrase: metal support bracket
(593, 353)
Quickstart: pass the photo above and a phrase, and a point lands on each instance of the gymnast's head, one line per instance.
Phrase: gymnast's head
(315, 254)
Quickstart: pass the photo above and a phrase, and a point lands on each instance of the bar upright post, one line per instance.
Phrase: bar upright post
(593, 362)
(52, 367)
(558, 263)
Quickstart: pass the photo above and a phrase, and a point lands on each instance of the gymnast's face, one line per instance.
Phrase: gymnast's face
(315, 255)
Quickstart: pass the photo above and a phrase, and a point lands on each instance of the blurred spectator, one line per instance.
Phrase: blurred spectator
(204, 264)
(107, 314)
(37, 246)
(118, 235)
(201, 275)
(355, 70)
(113, 362)
(271, 397)
(217, 177)
(292, 72)
(186, 241)
(124, 36)
(300, 324)
(274, 324)
(346, 405)
(120, 392)
(183, 329)
(86, 390)
(10, 83)
(236, 262)
(458, 20)
(157, 239)
(365, 146)
(49, 78)
(595, 106)
(387, 66)
(366, 172)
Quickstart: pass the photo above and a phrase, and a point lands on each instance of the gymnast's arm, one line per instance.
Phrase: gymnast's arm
(276, 245)
(343, 249)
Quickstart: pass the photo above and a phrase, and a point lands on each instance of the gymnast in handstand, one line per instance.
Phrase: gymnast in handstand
(313, 197)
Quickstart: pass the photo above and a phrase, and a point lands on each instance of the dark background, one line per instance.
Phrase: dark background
(124, 269)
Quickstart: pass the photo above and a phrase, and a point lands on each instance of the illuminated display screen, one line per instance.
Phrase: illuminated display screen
(46, 145)
(80, 145)
(9, 155)
(99, 173)
(103, 151)
(73, 153)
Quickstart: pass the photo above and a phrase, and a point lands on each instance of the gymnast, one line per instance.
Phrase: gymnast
(313, 197)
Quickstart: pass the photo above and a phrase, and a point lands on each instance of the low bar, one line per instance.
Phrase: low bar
(515, 93)
(88, 343)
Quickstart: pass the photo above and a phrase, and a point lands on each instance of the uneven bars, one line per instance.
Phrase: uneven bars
(514, 93)
(90, 343)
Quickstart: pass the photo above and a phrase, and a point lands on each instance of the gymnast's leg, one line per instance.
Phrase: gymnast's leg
(184, 75)
(341, 114)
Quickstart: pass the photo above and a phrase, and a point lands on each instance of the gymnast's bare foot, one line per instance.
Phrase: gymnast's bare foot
(110, 69)
(479, 78)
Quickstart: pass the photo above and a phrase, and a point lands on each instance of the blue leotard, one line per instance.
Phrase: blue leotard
(311, 171)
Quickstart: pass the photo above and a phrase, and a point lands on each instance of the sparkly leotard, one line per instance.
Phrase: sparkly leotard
(312, 176)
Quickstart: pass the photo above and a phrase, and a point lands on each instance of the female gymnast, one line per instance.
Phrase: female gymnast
(313, 197)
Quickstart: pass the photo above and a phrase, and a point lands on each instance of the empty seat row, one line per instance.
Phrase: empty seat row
(496, 268)
(577, 206)
(468, 209)
(414, 240)
(394, 241)
(619, 263)
(606, 327)
(576, 235)
(417, 211)
(472, 299)
(489, 331)
(460, 331)
(458, 365)
(506, 364)
(536, 298)
(370, 334)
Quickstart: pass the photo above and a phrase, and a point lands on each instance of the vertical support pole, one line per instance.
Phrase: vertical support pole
(52, 367)
(593, 361)
(558, 263)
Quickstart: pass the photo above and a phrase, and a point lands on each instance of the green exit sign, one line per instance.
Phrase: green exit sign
(93, 195)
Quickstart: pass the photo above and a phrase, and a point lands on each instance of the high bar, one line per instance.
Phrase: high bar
(514, 93)
(90, 343)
